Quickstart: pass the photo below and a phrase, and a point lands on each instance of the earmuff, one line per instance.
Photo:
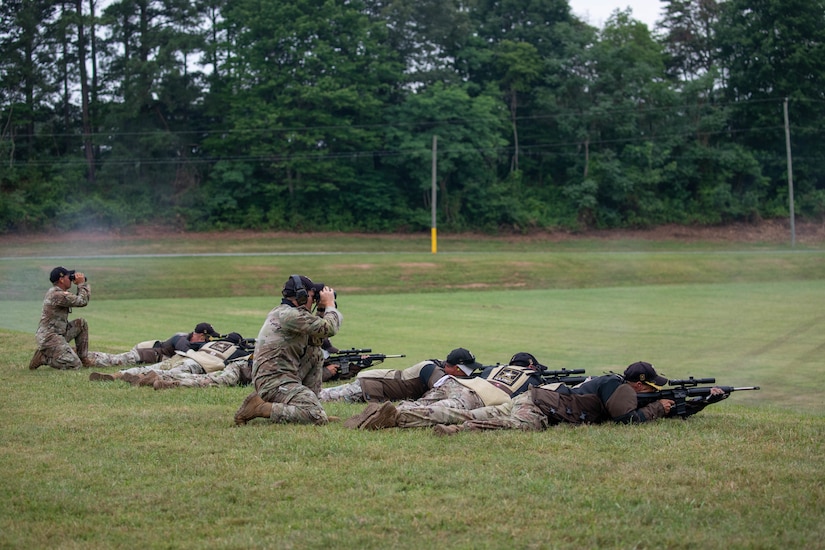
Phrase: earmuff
(301, 295)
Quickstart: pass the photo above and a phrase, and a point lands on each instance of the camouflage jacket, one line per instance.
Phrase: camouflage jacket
(289, 343)
(57, 305)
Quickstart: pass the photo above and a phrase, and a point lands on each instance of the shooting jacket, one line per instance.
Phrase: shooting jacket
(214, 356)
(511, 379)
(601, 399)
(397, 384)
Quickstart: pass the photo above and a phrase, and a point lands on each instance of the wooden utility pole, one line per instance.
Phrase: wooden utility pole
(790, 172)
(433, 198)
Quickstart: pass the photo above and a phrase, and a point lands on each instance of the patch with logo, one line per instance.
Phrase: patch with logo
(509, 376)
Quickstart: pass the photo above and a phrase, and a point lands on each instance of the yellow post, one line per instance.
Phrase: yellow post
(433, 198)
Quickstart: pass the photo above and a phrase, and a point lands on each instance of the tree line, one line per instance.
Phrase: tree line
(321, 114)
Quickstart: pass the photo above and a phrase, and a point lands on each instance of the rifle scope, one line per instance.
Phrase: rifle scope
(691, 381)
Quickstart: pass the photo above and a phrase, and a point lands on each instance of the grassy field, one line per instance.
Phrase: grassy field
(106, 465)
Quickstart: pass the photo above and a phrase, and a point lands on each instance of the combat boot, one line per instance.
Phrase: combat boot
(252, 407)
(87, 361)
(37, 359)
(375, 417)
(105, 377)
(164, 384)
(448, 429)
(149, 379)
(140, 379)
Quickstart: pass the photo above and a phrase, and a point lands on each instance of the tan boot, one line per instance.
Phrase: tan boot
(105, 377)
(87, 361)
(375, 417)
(448, 429)
(252, 407)
(37, 359)
(133, 379)
(149, 379)
(146, 379)
(164, 384)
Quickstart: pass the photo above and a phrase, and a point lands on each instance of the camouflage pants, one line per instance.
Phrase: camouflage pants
(519, 414)
(57, 351)
(229, 376)
(351, 393)
(174, 364)
(448, 399)
(292, 402)
(101, 359)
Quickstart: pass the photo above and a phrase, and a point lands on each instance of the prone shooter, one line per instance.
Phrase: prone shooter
(351, 361)
(689, 398)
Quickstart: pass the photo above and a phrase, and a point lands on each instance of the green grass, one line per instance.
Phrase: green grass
(106, 465)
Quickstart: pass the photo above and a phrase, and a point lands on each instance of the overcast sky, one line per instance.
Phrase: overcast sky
(596, 12)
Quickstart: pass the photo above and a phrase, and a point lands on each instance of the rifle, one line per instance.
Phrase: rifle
(351, 361)
(563, 376)
(689, 397)
(247, 344)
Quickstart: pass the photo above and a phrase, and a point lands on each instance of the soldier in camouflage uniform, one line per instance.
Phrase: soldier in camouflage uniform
(601, 399)
(397, 384)
(208, 358)
(152, 352)
(453, 398)
(288, 358)
(55, 331)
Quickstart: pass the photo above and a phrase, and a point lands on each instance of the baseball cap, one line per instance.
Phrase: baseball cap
(58, 272)
(289, 286)
(524, 359)
(206, 328)
(233, 337)
(644, 372)
(464, 360)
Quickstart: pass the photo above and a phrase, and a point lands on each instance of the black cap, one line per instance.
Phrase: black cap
(233, 337)
(524, 359)
(289, 286)
(206, 328)
(463, 359)
(644, 372)
(58, 272)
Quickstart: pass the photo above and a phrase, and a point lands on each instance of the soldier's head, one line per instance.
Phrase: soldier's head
(524, 359)
(203, 332)
(462, 360)
(301, 290)
(62, 277)
(643, 377)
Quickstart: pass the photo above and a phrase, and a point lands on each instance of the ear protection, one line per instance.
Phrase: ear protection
(301, 295)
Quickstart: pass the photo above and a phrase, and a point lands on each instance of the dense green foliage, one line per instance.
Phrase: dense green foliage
(322, 115)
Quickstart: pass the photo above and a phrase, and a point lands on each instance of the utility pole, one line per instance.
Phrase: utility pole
(433, 198)
(790, 172)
